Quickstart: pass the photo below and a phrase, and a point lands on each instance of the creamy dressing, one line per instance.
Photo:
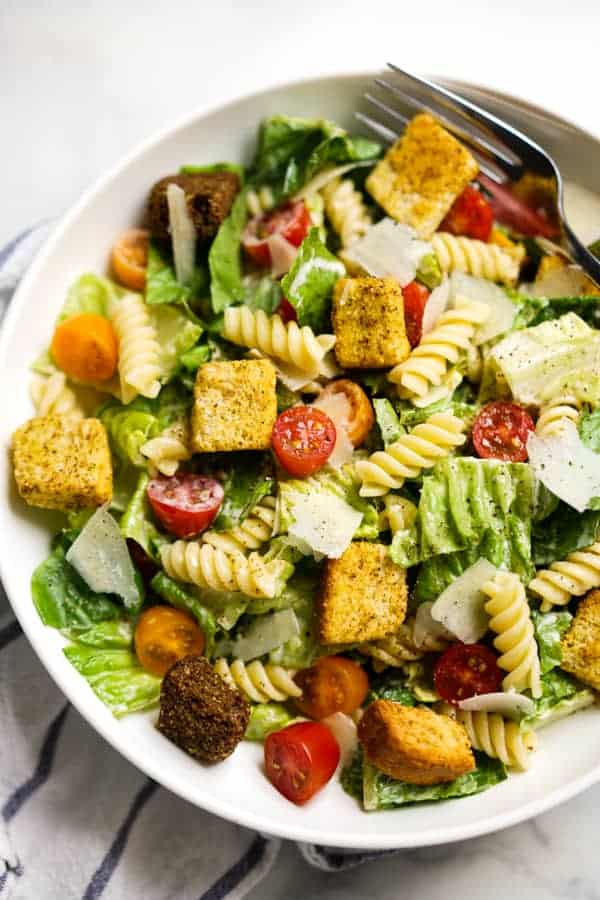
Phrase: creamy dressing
(582, 208)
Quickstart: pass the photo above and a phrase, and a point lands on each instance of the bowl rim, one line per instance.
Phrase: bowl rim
(226, 809)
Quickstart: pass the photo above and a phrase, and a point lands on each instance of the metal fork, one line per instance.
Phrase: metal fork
(503, 153)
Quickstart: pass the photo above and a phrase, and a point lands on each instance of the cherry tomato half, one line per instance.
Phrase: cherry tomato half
(332, 684)
(501, 430)
(303, 439)
(286, 312)
(470, 215)
(185, 504)
(300, 759)
(163, 635)
(129, 258)
(465, 670)
(292, 221)
(415, 299)
(509, 210)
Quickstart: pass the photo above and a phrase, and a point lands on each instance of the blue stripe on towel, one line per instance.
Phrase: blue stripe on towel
(233, 876)
(10, 633)
(42, 770)
(103, 873)
(9, 249)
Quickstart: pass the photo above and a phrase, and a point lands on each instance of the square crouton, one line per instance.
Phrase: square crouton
(581, 644)
(62, 463)
(363, 595)
(421, 175)
(368, 321)
(235, 406)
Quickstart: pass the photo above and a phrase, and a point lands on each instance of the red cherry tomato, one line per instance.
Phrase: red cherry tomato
(470, 215)
(292, 221)
(465, 670)
(415, 300)
(303, 439)
(501, 430)
(185, 504)
(286, 311)
(512, 212)
(300, 759)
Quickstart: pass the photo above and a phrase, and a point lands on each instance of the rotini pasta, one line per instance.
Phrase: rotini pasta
(288, 342)
(394, 650)
(570, 577)
(463, 254)
(398, 514)
(260, 201)
(167, 450)
(346, 210)
(553, 416)
(498, 737)
(421, 448)
(139, 350)
(199, 563)
(53, 396)
(257, 682)
(510, 619)
(442, 347)
(251, 534)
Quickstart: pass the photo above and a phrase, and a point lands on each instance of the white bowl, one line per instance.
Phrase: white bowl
(568, 759)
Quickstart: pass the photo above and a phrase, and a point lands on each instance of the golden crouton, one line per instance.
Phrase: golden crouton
(62, 463)
(363, 595)
(235, 406)
(421, 175)
(414, 744)
(581, 644)
(368, 321)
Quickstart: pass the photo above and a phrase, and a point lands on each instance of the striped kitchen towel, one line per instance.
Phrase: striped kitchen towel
(79, 821)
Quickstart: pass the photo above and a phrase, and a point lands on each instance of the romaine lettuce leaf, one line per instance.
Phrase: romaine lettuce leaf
(429, 272)
(161, 282)
(104, 656)
(308, 286)
(389, 685)
(563, 532)
(265, 718)
(263, 293)
(246, 479)
(299, 595)
(90, 294)
(549, 629)
(589, 430)
(177, 596)
(63, 599)
(561, 696)
(176, 334)
(387, 420)
(137, 523)
(210, 168)
(586, 307)
(224, 258)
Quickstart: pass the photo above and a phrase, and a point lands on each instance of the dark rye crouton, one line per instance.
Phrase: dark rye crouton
(362, 597)
(199, 712)
(209, 197)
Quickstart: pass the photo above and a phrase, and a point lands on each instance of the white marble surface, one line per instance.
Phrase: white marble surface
(83, 82)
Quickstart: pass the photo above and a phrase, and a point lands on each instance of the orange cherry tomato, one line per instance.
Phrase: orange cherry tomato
(163, 635)
(362, 418)
(332, 684)
(86, 348)
(129, 258)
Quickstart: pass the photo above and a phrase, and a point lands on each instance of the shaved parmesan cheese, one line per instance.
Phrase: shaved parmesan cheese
(426, 627)
(323, 523)
(183, 234)
(389, 249)
(460, 608)
(569, 469)
(436, 304)
(508, 704)
(282, 253)
(339, 410)
(479, 290)
(343, 450)
(344, 731)
(266, 633)
(101, 557)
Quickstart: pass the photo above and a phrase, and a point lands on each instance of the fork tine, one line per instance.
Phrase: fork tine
(467, 110)
(473, 138)
(495, 173)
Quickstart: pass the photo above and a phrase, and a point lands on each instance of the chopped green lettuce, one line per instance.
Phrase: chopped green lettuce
(104, 655)
(589, 430)
(210, 168)
(563, 532)
(429, 272)
(90, 294)
(387, 420)
(308, 286)
(543, 310)
(266, 718)
(224, 258)
(137, 523)
(176, 334)
(263, 293)
(196, 357)
(389, 685)
(161, 282)
(246, 478)
(298, 595)
(177, 596)
(561, 696)
(549, 628)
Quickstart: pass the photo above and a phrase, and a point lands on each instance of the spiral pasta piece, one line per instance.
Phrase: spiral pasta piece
(463, 254)
(498, 737)
(570, 577)
(208, 567)
(287, 342)
(346, 210)
(428, 363)
(398, 514)
(53, 397)
(394, 650)
(553, 416)
(260, 201)
(251, 534)
(257, 682)
(511, 620)
(139, 350)
(421, 448)
(168, 449)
